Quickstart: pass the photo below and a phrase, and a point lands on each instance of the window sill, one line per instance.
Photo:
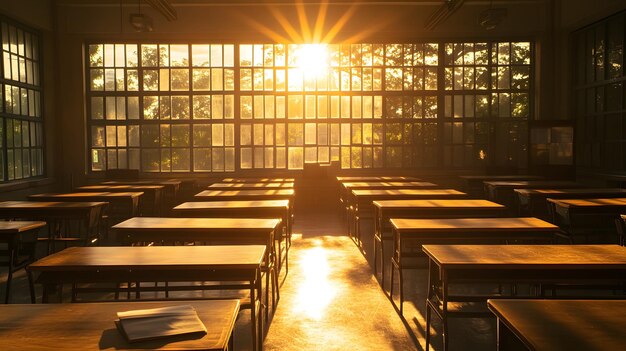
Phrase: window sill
(26, 184)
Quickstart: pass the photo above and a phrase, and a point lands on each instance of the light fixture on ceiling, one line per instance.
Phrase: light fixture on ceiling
(139, 21)
(491, 18)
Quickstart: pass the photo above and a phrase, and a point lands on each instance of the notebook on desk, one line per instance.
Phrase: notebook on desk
(155, 323)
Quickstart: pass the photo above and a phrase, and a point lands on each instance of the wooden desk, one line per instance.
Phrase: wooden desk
(557, 325)
(473, 184)
(588, 216)
(209, 231)
(171, 188)
(90, 326)
(584, 265)
(238, 265)
(347, 187)
(244, 209)
(250, 186)
(58, 215)
(19, 252)
(150, 203)
(503, 192)
(257, 180)
(377, 179)
(534, 201)
(121, 205)
(258, 194)
(384, 210)
(360, 202)
(410, 234)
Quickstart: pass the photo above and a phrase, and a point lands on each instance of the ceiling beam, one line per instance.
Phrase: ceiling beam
(442, 13)
(165, 8)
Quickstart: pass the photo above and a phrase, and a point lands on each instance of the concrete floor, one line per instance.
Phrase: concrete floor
(330, 299)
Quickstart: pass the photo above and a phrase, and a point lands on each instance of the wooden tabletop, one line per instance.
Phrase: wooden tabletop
(49, 205)
(152, 257)
(118, 188)
(472, 224)
(14, 227)
(248, 204)
(259, 192)
(91, 326)
(417, 192)
(565, 325)
(257, 180)
(88, 195)
(568, 203)
(501, 177)
(528, 256)
(375, 178)
(533, 184)
(174, 182)
(575, 191)
(252, 185)
(434, 203)
(138, 224)
(392, 184)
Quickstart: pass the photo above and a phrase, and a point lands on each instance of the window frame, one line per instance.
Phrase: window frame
(439, 94)
(41, 119)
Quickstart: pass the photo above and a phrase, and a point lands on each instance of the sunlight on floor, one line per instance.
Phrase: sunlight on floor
(316, 291)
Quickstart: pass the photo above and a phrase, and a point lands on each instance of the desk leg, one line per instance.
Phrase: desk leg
(400, 276)
(253, 316)
(507, 341)
(377, 221)
(430, 294)
(275, 272)
(12, 245)
(31, 286)
(269, 271)
(257, 321)
(444, 308)
(356, 222)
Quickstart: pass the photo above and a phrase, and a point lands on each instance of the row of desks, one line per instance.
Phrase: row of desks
(577, 209)
(419, 225)
(534, 201)
(547, 267)
(233, 267)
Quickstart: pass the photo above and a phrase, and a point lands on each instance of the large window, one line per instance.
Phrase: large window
(228, 107)
(599, 96)
(487, 104)
(21, 128)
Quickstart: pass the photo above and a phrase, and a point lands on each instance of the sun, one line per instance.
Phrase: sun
(312, 58)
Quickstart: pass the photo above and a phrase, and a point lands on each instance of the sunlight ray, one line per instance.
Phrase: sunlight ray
(320, 21)
(338, 26)
(286, 25)
(304, 22)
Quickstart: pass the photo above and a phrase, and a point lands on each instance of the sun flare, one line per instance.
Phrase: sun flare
(312, 58)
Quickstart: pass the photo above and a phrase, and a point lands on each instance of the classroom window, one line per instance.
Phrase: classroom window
(599, 95)
(227, 107)
(21, 127)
